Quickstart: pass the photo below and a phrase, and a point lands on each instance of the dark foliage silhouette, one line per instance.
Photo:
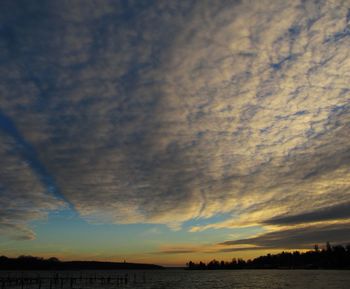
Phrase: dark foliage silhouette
(36, 263)
(332, 257)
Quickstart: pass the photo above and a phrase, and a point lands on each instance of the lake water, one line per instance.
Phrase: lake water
(182, 279)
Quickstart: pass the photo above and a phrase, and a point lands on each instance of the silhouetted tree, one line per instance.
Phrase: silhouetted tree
(332, 257)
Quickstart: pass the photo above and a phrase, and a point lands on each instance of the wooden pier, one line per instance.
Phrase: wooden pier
(62, 281)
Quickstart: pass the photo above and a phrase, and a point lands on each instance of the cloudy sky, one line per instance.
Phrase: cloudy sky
(163, 131)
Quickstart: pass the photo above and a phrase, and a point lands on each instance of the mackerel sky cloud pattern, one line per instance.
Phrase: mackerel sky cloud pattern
(168, 111)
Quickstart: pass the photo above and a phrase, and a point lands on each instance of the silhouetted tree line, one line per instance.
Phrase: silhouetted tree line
(332, 257)
(37, 263)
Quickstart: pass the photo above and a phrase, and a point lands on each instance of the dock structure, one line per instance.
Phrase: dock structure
(62, 281)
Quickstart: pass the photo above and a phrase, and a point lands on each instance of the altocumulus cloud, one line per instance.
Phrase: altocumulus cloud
(165, 111)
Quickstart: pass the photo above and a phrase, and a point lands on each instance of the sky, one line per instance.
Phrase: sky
(169, 131)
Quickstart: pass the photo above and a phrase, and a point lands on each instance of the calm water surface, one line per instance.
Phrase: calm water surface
(233, 279)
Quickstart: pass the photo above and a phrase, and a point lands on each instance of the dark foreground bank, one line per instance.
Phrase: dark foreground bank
(36, 263)
(331, 257)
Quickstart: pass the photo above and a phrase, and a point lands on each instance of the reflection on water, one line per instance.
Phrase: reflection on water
(182, 279)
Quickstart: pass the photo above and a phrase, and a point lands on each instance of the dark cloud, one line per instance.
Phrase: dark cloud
(28, 153)
(161, 112)
(339, 211)
(15, 231)
(297, 238)
(228, 250)
(23, 197)
(172, 252)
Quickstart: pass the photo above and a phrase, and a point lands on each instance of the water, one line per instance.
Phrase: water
(225, 279)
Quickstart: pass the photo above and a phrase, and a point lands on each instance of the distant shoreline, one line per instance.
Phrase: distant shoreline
(330, 258)
(272, 268)
(29, 263)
